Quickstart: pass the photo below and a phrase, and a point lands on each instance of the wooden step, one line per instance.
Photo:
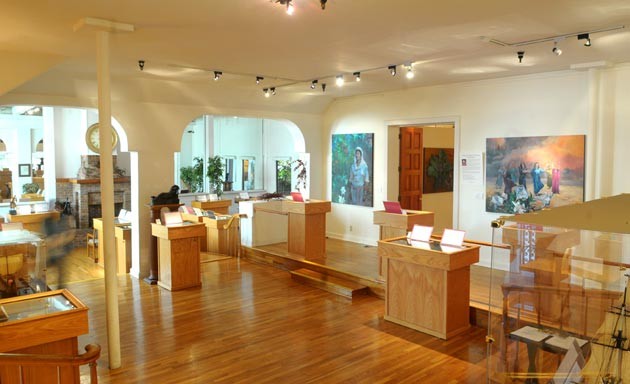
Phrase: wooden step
(331, 284)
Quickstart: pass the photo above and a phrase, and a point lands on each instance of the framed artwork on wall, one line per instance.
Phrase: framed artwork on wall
(525, 174)
(437, 174)
(352, 165)
(24, 170)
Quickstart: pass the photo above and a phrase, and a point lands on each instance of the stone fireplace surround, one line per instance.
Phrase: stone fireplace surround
(84, 194)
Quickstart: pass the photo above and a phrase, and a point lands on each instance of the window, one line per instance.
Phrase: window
(283, 177)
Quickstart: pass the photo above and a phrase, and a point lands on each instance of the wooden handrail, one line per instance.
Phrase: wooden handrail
(92, 353)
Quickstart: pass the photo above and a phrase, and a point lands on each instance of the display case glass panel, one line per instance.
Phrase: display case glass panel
(22, 263)
(558, 302)
(35, 307)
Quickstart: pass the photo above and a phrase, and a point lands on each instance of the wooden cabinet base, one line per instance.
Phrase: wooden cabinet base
(428, 290)
(179, 263)
(178, 255)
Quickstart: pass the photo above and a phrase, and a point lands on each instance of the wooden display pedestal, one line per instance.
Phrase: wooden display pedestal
(178, 255)
(221, 207)
(43, 329)
(122, 234)
(428, 290)
(217, 238)
(397, 225)
(153, 252)
(307, 227)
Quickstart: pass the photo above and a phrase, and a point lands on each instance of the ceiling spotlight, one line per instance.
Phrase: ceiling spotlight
(273, 91)
(217, 75)
(557, 51)
(585, 36)
(357, 76)
(520, 55)
(266, 91)
(323, 87)
(409, 73)
(392, 70)
(313, 84)
(323, 3)
(259, 79)
(141, 64)
(290, 8)
(339, 80)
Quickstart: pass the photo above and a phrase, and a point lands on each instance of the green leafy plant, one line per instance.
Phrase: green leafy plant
(215, 174)
(192, 176)
(283, 177)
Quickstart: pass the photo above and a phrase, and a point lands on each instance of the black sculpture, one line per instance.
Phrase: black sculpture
(170, 197)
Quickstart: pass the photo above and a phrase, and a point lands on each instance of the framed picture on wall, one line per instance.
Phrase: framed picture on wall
(24, 170)
(437, 174)
(352, 165)
(525, 174)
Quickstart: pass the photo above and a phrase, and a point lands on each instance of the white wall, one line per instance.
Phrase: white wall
(557, 103)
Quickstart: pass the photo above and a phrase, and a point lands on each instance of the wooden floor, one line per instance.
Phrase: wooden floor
(252, 324)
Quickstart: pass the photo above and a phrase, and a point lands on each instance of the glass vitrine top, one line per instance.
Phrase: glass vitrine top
(18, 237)
(16, 310)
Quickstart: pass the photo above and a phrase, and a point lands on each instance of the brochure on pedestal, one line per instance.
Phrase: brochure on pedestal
(392, 207)
(297, 196)
(213, 197)
(453, 237)
(421, 233)
(172, 218)
(198, 211)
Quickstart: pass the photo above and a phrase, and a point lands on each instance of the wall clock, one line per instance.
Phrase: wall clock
(92, 140)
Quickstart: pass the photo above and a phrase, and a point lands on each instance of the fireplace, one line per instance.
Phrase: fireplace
(84, 192)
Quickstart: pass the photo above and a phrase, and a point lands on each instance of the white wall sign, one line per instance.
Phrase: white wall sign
(471, 169)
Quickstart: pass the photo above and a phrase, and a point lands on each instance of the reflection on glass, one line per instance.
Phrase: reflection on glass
(229, 174)
(249, 176)
(35, 307)
(283, 177)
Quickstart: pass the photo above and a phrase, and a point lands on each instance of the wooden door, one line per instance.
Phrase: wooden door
(410, 168)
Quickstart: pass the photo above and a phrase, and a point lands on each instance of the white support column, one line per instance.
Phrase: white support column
(107, 198)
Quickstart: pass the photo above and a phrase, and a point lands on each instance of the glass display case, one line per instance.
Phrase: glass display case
(22, 263)
(559, 297)
(35, 306)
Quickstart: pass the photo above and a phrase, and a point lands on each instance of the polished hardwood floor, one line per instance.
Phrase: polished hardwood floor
(252, 324)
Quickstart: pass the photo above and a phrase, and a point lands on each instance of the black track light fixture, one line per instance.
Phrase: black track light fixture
(313, 84)
(273, 91)
(392, 70)
(266, 92)
(520, 55)
(586, 37)
(259, 79)
(323, 87)
(357, 76)
(323, 3)
(217, 75)
(141, 64)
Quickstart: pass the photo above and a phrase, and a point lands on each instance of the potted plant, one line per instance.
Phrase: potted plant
(192, 176)
(215, 174)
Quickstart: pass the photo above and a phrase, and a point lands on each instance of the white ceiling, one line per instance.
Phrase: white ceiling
(183, 41)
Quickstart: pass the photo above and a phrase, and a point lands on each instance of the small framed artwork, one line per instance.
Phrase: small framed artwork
(24, 170)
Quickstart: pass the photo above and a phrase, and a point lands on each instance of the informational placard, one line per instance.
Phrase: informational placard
(453, 237)
(471, 167)
(421, 233)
